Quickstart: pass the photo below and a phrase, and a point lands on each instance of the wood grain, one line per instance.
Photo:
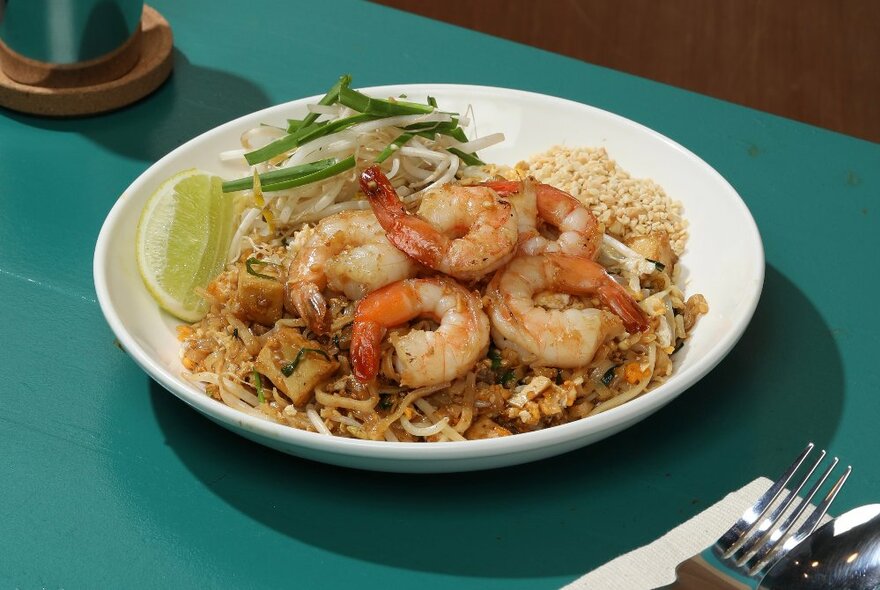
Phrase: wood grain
(811, 60)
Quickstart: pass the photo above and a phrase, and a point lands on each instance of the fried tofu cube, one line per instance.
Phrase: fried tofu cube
(485, 427)
(294, 364)
(655, 246)
(259, 299)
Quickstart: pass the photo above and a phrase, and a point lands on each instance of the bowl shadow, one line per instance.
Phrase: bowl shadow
(561, 516)
(193, 100)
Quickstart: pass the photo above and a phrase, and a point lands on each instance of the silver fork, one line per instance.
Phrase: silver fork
(763, 534)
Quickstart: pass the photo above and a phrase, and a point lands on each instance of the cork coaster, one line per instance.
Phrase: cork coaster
(50, 99)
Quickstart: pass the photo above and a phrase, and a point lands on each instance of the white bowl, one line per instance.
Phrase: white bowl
(724, 261)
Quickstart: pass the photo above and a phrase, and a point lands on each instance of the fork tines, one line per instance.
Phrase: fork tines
(758, 540)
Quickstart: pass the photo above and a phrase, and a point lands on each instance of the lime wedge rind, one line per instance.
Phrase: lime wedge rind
(183, 237)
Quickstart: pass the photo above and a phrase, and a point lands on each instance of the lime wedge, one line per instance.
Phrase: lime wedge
(183, 237)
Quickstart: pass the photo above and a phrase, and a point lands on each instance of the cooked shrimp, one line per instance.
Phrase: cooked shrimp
(422, 357)
(347, 252)
(464, 232)
(557, 338)
(579, 231)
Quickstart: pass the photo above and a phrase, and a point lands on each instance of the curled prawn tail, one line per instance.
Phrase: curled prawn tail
(388, 306)
(624, 306)
(581, 275)
(306, 300)
(366, 349)
(410, 234)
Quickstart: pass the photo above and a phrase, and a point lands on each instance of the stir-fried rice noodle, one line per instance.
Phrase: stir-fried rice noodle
(278, 369)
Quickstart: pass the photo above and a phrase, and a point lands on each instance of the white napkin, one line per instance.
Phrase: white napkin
(653, 565)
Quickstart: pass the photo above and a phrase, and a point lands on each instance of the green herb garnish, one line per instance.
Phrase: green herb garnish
(337, 125)
(445, 127)
(276, 176)
(506, 378)
(468, 159)
(385, 401)
(331, 97)
(657, 264)
(495, 357)
(279, 146)
(249, 265)
(258, 383)
(393, 147)
(376, 106)
(288, 369)
(297, 129)
(322, 174)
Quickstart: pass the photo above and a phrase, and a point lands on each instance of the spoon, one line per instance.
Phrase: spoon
(843, 554)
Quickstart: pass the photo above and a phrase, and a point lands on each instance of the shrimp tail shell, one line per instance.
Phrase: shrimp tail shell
(624, 306)
(308, 301)
(407, 232)
(366, 348)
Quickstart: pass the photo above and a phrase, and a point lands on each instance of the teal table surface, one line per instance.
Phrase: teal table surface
(107, 480)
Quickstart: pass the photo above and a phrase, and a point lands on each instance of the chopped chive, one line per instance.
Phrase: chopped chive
(334, 126)
(432, 101)
(385, 402)
(495, 357)
(288, 369)
(376, 106)
(279, 146)
(440, 126)
(258, 383)
(297, 129)
(429, 130)
(608, 377)
(321, 174)
(249, 266)
(277, 175)
(393, 147)
(506, 378)
(657, 264)
(457, 134)
(468, 159)
(331, 97)
(429, 125)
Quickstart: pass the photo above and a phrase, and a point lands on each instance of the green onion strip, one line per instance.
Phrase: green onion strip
(277, 175)
(303, 131)
(249, 266)
(288, 369)
(322, 174)
(393, 147)
(258, 383)
(384, 108)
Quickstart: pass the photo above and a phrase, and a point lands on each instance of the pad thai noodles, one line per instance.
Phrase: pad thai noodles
(384, 283)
